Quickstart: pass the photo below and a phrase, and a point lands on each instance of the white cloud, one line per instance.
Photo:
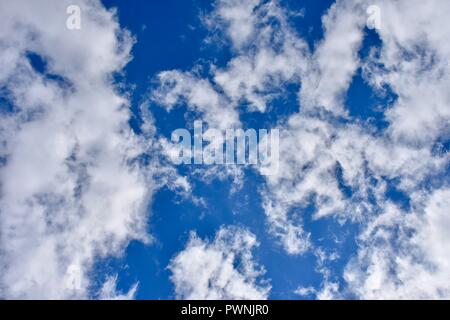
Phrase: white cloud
(402, 254)
(177, 87)
(414, 60)
(312, 146)
(109, 290)
(329, 291)
(335, 59)
(274, 57)
(305, 291)
(238, 17)
(405, 256)
(219, 269)
(72, 186)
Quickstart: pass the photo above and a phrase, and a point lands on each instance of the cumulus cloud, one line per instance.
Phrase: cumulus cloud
(341, 165)
(67, 135)
(318, 159)
(401, 254)
(109, 290)
(219, 269)
(198, 94)
(414, 62)
(335, 58)
(273, 58)
(265, 61)
(405, 256)
(238, 17)
(73, 187)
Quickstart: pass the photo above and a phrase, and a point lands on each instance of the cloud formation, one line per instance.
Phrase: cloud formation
(64, 134)
(340, 165)
(73, 187)
(219, 269)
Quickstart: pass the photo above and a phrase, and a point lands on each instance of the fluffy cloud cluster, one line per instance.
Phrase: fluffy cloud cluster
(335, 59)
(342, 166)
(109, 290)
(219, 269)
(64, 134)
(405, 256)
(73, 187)
(267, 56)
(414, 62)
(198, 94)
(394, 260)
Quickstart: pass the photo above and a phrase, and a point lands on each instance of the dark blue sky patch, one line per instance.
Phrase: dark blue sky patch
(40, 65)
(396, 195)
(6, 105)
(366, 104)
(309, 23)
(363, 101)
(371, 44)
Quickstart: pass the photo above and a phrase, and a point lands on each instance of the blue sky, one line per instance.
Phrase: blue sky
(163, 32)
(357, 209)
